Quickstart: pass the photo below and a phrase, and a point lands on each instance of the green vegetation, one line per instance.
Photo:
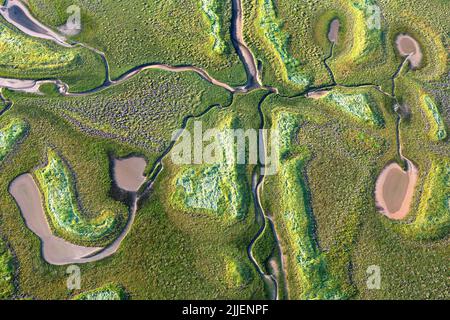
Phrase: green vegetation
(433, 217)
(171, 32)
(271, 26)
(216, 188)
(210, 8)
(3, 105)
(6, 272)
(237, 273)
(10, 135)
(108, 292)
(348, 228)
(368, 29)
(296, 216)
(287, 125)
(363, 46)
(427, 23)
(24, 57)
(142, 112)
(56, 181)
(284, 42)
(49, 89)
(359, 106)
(437, 125)
(173, 255)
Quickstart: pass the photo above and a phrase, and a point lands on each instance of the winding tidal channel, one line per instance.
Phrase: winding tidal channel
(16, 13)
(128, 173)
(24, 189)
(395, 186)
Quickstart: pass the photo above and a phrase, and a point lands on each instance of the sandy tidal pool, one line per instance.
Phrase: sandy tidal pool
(394, 190)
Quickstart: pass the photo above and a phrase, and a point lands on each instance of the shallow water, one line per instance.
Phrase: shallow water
(19, 16)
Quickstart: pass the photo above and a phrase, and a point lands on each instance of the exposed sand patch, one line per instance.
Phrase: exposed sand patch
(408, 46)
(129, 173)
(394, 190)
(334, 30)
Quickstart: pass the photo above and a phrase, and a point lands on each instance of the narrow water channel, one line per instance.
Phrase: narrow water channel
(129, 173)
(16, 13)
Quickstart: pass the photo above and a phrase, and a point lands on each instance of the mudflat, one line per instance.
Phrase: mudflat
(408, 46)
(129, 173)
(395, 190)
(55, 250)
(16, 13)
(334, 31)
(317, 94)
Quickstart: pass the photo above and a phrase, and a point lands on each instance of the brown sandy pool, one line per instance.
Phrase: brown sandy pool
(129, 173)
(55, 250)
(394, 190)
(407, 45)
(317, 94)
(334, 31)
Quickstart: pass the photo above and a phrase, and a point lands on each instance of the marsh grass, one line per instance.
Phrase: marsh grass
(25, 57)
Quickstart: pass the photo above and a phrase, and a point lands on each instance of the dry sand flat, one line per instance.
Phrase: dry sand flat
(408, 46)
(394, 190)
(129, 173)
(55, 250)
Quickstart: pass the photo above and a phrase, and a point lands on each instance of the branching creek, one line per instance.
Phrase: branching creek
(17, 14)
